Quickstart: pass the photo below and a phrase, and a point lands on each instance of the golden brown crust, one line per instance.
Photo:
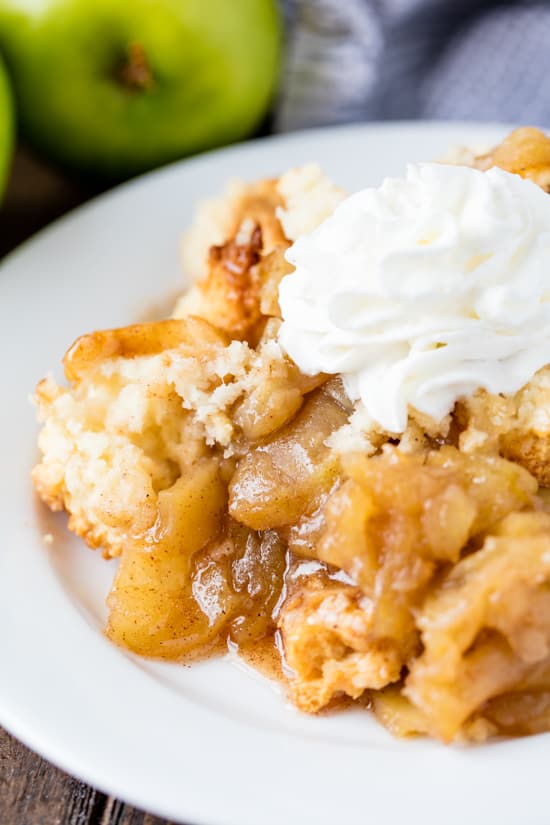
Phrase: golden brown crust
(240, 289)
(530, 450)
(524, 152)
(259, 205)
(326, 633)
(135, 340)
(230, 293)
(516, 426)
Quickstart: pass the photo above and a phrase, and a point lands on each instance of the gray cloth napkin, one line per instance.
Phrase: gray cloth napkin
(350, 60)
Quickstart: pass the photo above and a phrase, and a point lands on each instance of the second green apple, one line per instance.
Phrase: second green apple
(6, 127)
(116, 87)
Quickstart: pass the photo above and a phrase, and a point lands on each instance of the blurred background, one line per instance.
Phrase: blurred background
(92, 93)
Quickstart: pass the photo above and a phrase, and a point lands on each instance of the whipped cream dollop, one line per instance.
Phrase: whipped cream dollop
(424, 290)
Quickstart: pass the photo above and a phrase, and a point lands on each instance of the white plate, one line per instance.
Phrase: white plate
(212, 744)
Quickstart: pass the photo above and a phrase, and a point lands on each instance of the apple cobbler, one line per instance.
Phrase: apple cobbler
(259, 505)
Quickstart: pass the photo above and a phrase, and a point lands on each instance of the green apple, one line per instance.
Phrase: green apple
(116, 87)
(6, 127)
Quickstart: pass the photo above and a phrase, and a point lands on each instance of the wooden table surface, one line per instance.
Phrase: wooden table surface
(33, 792)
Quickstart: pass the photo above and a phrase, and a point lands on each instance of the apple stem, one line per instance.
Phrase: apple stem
(135, 73)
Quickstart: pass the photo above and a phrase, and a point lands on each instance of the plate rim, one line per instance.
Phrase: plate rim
(237, 148)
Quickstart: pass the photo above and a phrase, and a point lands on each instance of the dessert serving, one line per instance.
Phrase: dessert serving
(334, 457)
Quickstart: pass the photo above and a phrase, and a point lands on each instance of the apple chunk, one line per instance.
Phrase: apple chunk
(286, 474)
(152, 608)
